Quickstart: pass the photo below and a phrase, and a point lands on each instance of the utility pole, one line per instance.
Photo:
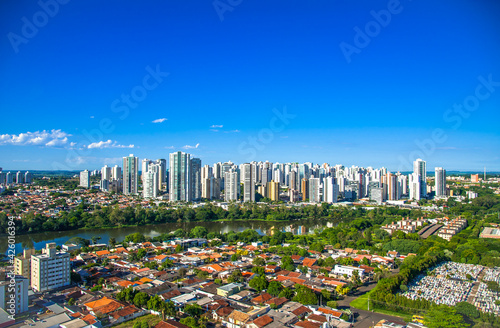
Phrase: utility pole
(368, 302)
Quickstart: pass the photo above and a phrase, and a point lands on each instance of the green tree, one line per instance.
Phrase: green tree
(259, 270)
(193, 310)
(467, 309)
(287, 293)
(141, 253)
(259, 261)
(332, 304)
(199, 232)
(168, 309)
(141, 299)
(235, 276)
(155, 303)
(75, 277)
(443, 316)
(305, 295)
(189, 321)
(287, 263)
(274, 288)
(259, 283)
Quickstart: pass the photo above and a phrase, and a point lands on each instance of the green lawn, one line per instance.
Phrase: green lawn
(362, 304)
(151, 319)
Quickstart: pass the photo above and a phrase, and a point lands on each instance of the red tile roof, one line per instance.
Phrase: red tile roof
(263, 321)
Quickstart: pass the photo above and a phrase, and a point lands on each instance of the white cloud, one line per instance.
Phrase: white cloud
(169, 147)
(107, 144)
(232, 131)
(52, 138)
(159, 120)
(92, 117)
(215, 126)
(214, 130)
(191, 147)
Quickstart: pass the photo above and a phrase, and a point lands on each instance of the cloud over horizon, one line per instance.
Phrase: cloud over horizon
(52, 138)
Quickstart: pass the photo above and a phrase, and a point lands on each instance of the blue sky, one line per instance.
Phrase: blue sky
(250, 80)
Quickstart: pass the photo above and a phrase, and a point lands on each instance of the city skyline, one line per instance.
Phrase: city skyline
(262, 81)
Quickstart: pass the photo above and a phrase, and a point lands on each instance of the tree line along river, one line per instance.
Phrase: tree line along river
(38, 240)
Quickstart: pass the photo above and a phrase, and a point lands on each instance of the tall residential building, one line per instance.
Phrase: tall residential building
(196, 178)
(130, 174)
(474, 178)
(144, 167)
(163, 170)
(50, 270)
(330, 190)
(392, 187)
(116, 173)
(273, 190)
(179, 177)
(9, 178)
(13, 290)
(19, 177)
(440, 179)
(105, 178)
(231, 186)
(85, 179)
(419, 168)
(151, 182)
(28, 177)
(304, 188)
(414, 186)
(22, 264)
(314, 190)
(248, 182)
(210, 188)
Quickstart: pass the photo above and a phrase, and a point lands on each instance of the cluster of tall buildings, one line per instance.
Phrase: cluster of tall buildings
(10, 178)
(186, 179)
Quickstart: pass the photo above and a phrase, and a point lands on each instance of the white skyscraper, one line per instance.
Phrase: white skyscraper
(144, 166)
(116, 173)
(105, 178)
(85, 179)
(440, 179)
(231, 186)
(330, 190)
(415, 187)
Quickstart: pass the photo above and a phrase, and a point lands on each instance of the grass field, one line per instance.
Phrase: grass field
(362, 304)
(152, 320)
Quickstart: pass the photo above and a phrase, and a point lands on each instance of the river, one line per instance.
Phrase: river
(38, 240)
